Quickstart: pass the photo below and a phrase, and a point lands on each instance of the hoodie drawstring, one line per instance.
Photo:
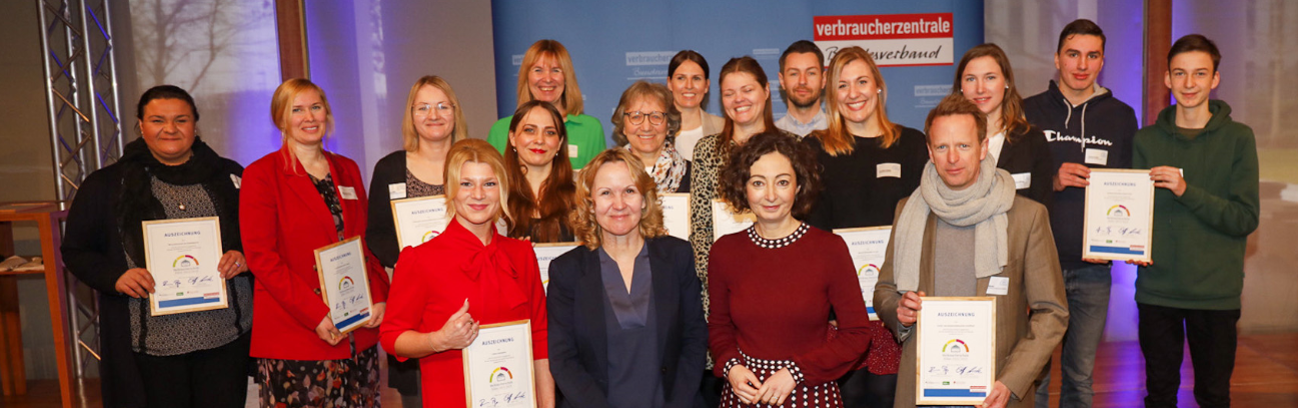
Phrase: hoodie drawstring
(1083, 135)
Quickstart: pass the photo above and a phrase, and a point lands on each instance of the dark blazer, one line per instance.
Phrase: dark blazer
(1030, 153)
(578, 333)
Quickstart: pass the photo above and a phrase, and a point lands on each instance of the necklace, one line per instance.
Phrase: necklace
(779, 242)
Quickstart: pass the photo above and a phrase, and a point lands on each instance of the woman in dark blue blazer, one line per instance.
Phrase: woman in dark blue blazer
(626, 318)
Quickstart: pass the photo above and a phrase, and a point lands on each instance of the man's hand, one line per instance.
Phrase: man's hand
(1072, 175)
(999, 396)
(1168, 177)
(908, 309)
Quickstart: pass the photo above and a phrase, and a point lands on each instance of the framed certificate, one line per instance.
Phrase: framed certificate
(955, 350)
(182, 255)
(725, 222)
(344, 283)
(419, 219)
(1119, 215)
(546, 253)
(676, 214)
(869, 248)
(498, 367)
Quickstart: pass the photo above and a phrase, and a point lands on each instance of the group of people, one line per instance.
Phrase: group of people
(986, 201)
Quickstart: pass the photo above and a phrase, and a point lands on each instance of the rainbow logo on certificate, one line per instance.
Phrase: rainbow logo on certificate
(500, 374)
(955, 346)
(428, 236)
(871, 268)
(1118, 210)
(184, 261)
(345, 283)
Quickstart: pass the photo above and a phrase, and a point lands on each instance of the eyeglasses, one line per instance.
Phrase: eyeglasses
(637, 117)
(425, 109)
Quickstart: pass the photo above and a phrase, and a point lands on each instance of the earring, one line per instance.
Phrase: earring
(1007, 87)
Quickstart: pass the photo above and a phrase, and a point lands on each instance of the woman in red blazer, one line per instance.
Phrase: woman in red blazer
(294, 201)
(470, 275)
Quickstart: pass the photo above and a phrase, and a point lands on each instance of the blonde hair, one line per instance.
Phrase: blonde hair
(584, 226)
(570, 101)
(645, 90)
(410, 137)
(475, 151)
(835, 139)
(281, 110)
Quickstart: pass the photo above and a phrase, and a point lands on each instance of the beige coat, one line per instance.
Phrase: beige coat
(1030, 319)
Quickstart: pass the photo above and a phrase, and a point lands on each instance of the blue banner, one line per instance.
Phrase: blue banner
(615, 43)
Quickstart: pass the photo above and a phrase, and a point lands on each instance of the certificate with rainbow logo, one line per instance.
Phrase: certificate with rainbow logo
(344, 283)
(955, 350)
(869, 248)
(1119, 215)
(182, 255)
(419, 220)
(498, 367)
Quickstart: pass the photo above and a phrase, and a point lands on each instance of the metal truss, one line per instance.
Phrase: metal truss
(85, 127)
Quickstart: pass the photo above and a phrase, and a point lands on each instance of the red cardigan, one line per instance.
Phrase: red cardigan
(283, 220)
(500, 280)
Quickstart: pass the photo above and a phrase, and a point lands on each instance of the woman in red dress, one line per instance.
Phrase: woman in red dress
(467, 276)
(773, 285)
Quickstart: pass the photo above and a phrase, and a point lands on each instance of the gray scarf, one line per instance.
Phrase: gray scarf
(982, 205)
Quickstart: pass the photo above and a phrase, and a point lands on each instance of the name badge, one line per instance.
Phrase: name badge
(348, 193)
(238, 181)
(572, 151)
(998, 285)
(397, 191)
(887, 170)
(1022, 180)
(1098, 157)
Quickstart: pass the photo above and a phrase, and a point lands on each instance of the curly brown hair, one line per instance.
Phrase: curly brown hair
(584, 226)
(733, 180)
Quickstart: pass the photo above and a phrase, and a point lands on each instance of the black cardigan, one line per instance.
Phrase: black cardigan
(92, 251)
(381, 232)
(1029, 153)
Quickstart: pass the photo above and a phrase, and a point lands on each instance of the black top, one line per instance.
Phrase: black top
(1102, 124)
(93, 250)
(862, 189)
(381, 232)
(1028, 154)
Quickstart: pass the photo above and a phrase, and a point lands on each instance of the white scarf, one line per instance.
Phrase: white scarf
(668, 170)
(982, 205)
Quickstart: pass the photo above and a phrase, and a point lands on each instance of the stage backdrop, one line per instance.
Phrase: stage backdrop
(615, 43)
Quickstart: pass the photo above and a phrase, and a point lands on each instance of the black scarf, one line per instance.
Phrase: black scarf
(136, 202)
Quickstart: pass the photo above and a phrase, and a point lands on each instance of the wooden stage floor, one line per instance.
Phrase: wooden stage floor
(1266, 375)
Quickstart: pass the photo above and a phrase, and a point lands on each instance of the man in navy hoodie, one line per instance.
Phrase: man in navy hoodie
(1086, 128)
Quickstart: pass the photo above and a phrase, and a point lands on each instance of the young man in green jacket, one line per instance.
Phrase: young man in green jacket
(1204, 166)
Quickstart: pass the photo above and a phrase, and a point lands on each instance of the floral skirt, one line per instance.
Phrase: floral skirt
(824, 395)
(352, 382)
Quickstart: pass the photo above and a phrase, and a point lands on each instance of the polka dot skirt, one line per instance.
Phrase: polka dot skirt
(824, 395)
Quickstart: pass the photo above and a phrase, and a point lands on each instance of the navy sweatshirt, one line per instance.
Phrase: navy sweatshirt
(1103, 128)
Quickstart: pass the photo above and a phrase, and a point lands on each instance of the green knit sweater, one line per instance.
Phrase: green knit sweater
(1199, 237)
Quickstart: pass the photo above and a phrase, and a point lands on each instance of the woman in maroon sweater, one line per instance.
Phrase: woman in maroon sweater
(773, 286)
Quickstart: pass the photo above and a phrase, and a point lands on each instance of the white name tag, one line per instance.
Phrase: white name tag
(1098, 157)
(1022, 180)
(348, 193)
(397, 191)
(887, 170)
(572, 151)
(998, 285)
(238, 181)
